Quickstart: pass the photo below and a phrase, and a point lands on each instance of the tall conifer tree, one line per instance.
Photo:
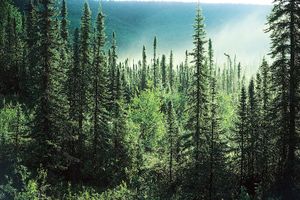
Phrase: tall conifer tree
(112, 71)
(144, 70)
(155, 74)
(50, 124)
(164, 71)
(197, 123)
(283, 25)
(64, 21)
(99, 77)
(172, 131)
(241, 135)
(171, 72)
(85, 66)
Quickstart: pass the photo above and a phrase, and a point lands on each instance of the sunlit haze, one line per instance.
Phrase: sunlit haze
(261, 2)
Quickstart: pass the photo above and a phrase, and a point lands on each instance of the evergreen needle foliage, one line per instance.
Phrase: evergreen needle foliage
(76, 122)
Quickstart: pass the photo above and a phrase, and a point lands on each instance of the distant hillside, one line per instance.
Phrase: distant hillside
(136, 23)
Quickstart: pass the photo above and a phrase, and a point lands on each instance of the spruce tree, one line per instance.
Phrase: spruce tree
(283, 25)
(121, 157)
(73, 83)
(50, 123)
(100, 120)
(112, 71)
(65, 57)
(144, 70)
(239, 76)
(266, 134)
(252, 136)
(172, 131)
(64, 22)
(181, 76)
(213, 127)
(126, 83)
(217, 148)
(241, 135)
(11, 50)
(210, 57)
(187, 72)
(155, 74)
(164, 72)
(32, 66)
(171, 72)
(85, 66)
(224, 80)
(197, 123)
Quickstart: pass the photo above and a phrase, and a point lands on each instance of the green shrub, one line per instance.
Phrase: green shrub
(121, 192)
(33, 189)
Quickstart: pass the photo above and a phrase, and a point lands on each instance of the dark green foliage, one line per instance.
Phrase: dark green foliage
(84, 55)
(285, 71)
(171, 72)
(251, 137)
(32, 43)
(112, 72)
(199, 86)
(64, 22)
(186, 74)
(266, 146)
(173, 141)
(11, 50)
(50, 124)
(198, 108)
(99, 106)
(121, 159)
(156, 129)
(164, 71)
(210, 57)
(241, 137)
(73, 83)
(144, 70)
(155, 67)
(216, 147)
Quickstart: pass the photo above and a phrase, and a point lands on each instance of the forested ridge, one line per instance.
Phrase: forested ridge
(76, 122)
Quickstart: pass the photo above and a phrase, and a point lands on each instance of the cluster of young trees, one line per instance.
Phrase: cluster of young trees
(165, 131)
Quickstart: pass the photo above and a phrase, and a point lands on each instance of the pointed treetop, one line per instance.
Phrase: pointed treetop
(100, 8)
(114, 42)
(64, 21)
(100, 15)
(63, 8)
(198, 8)
(86, 7)
(144, 53)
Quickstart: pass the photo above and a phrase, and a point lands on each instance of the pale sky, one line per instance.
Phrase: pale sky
(262, 2)
(238, 1)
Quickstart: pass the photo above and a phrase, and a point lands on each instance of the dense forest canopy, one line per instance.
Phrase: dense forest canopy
(78, 122)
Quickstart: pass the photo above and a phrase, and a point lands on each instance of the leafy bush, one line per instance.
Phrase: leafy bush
(121, 192)
(13, 127)
(33, 189)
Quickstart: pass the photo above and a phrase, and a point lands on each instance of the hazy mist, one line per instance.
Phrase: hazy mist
(234, 29)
